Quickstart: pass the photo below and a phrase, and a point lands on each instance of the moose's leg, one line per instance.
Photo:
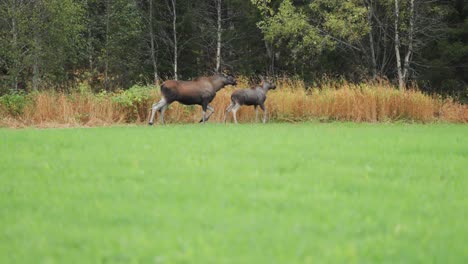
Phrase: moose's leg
(262, 106)
(154, 108)
(204, 107)
(161, 113)
(256, 113)
(212, 111)
(234, 112)
(228, 109)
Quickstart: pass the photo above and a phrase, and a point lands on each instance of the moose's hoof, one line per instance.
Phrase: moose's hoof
(150, 124)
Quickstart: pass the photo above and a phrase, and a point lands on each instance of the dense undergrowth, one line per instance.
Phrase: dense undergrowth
(291, 102)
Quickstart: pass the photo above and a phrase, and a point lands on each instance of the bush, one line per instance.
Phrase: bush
(13, 104)
(135, 101)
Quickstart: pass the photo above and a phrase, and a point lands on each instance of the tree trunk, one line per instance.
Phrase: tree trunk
(35, 80)
(36, 52)
(152, 39)
(174, 30)
(15, 46)
(89, 44)
(218, 49)
(270, 52)
(90, 50)
(401, 82)
(106, 59)
(371, 41)
(385, 55)
(410, 43)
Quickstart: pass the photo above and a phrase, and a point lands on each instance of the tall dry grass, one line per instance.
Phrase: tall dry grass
(292, 101)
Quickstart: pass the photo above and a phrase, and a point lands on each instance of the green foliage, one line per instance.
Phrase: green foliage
(315, 27)
(123, 42)
(275, 193)
(134, 99)
(136, 94)
(346, 20)
(445, 59)
(54, 44)
(13, 104)
(290, 25)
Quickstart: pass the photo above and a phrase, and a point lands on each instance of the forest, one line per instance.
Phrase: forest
(115, 44)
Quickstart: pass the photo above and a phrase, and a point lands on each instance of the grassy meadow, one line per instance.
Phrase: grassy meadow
(275, 193)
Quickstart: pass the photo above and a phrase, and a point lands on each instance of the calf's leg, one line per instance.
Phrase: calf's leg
(262, 106)
(234, 112)
(228, 109)
(256, 113)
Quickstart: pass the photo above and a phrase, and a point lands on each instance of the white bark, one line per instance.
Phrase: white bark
(174, 30)
(218, 49)
(36, 51)
(371, 40)
(106, 60)
(270, 50)
(35, 80)
(152, 39)
(410, 43)
(401, 83)
(90, 50)
(14, 44)
(89, 44)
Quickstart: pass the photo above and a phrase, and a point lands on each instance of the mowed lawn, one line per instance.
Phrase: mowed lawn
(275, 193)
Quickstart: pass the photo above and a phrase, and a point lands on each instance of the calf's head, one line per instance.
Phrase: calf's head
(267, 85)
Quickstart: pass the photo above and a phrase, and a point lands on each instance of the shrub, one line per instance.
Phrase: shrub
(134, 101)
(13, 104)
(292, 101)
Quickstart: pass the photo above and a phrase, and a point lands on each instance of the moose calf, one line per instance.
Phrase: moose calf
(255, 96)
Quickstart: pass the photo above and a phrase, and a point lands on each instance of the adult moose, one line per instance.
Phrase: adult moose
(255, 96)
(200, 91)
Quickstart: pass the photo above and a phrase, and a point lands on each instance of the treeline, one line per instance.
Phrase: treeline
(110, 44)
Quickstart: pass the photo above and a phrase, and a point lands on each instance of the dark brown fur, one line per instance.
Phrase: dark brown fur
(200, 91)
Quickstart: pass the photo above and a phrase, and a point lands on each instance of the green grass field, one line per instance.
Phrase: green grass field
(275, 193)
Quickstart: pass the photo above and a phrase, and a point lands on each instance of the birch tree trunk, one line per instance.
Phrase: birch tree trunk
(174, 30)
(218, 49)
(90, 50)
(35, 80)
(89, 42)
(36, 46)
(401, 82)
(270, 51)
(410, 43)
(106, 60)
(371, 40)
(152, 39)
(14, 45)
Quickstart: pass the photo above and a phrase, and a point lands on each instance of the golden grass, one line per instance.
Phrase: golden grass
(292, 101)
